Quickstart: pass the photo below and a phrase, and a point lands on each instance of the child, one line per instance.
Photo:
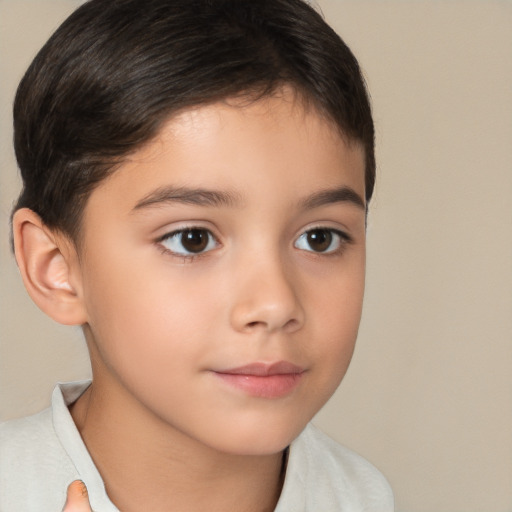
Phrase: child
(196, 175)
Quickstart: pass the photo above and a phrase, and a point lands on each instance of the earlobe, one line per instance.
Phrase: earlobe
(48, 265)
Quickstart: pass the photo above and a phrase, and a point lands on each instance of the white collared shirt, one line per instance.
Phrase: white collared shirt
(42, 454)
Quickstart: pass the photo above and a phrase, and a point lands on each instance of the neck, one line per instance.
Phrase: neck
(148, 465)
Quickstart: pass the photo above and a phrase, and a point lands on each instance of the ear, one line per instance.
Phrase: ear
(49, 267)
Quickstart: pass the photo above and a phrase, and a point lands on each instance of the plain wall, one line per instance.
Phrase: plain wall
(428, 397)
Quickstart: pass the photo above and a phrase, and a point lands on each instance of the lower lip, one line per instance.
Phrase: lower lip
(263, 386)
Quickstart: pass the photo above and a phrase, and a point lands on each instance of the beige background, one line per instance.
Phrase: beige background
(428, 397)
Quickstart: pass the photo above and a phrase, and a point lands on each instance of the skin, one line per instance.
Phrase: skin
(77, 499)
(160, 326)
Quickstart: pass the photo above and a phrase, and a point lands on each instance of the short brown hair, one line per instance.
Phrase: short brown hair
(115, 71)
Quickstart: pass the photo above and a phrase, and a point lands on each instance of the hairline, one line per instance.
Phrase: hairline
(242, 99)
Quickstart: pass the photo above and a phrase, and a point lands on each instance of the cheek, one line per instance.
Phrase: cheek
(142, 317)
(336, 322)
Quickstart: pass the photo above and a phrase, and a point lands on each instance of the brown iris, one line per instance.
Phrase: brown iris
(194, 240)
(319, 239)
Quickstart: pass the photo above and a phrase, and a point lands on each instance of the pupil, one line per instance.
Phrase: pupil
(194, 240)
(319, 239)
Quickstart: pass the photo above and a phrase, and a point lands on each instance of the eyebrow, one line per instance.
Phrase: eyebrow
(215, 198)
(186, 195)
(330, 196)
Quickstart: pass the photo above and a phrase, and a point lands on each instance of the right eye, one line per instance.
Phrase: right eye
(189, 241)
(322, 240)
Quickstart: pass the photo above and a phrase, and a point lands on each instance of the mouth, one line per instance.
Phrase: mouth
(263, 380)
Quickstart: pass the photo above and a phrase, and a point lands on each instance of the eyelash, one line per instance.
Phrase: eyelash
(179, 233)
(340, 238)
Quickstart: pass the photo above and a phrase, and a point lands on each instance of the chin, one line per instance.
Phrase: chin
(260, 439)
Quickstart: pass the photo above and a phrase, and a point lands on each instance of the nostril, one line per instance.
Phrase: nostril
(292, 324)
(266, 311)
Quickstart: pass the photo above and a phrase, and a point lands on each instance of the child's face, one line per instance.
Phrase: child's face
(236, 238)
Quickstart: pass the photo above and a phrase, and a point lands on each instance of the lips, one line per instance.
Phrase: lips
(274, 380)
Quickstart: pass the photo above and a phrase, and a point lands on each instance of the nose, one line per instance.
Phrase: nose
(266, 298)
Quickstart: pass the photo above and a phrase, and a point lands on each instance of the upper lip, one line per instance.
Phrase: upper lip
(264, 369)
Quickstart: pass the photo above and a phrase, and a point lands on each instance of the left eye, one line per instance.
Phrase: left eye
(321, 240)
(186, 242)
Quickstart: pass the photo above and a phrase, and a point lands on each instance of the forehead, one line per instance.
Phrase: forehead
(246, 147)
